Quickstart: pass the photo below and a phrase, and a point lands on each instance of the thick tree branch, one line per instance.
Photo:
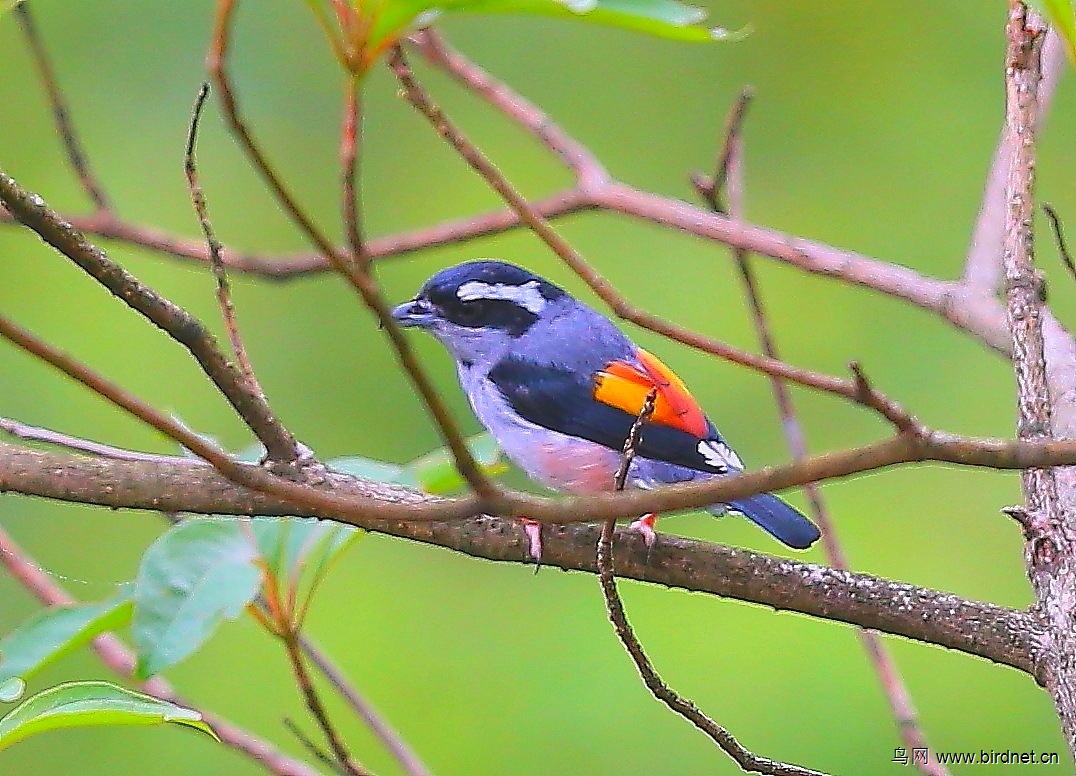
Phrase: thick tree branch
(1049, 530)
(1003, 635)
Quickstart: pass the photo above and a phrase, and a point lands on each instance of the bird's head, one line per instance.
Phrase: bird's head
(480, 309)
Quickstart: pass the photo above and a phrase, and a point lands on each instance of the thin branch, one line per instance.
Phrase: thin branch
(288, 266)
(1059, 237)
(729, 177)
(216, 60)
(76, 155)
(983, 265)
(201, 209)
(418, 97)
(590, 173)
(713, 188)
(350, 157)
(31, 210)
(315, 751)
(1006, 636)
(50, 437)
(352, 268)
(654, 683)
(317, 708)
(952, 301)
(121, 660)
(409, 761)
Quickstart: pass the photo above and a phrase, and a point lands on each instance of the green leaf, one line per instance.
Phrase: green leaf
(436, 472)
(368, 469)
(298, 552)
(195, 575)
(1062, 16)
(384, 22)
(663, 18)
(287, 544)
(9, 5)
(12, 689)
(54, 632)
(85, 704)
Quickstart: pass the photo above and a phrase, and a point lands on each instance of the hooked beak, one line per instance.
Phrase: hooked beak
(416, 313)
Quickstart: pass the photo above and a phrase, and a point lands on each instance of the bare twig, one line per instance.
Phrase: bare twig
(627, 455)
(983, 265)
(317, 708)
(405, 756)
(224, 291)
(1059, 237)
(50, 437)
(216, 60)
(352, 268)
(32, 211)
(351, 187)
(713, 188)
(120, 659)
(315, 751)
(653, 681)
(729, 176)
(436, 117)
(76, 155)
(590, 173)
(288, 266)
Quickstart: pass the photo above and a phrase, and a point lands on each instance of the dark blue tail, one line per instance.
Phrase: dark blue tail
(778, 519)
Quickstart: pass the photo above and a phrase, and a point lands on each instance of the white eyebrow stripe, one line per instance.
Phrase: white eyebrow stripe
(528, 296)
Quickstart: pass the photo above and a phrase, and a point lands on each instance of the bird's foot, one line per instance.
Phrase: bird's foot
(645, 526)
(534, 539)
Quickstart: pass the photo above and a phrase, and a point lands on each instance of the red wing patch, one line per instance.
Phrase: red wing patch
(625, 386)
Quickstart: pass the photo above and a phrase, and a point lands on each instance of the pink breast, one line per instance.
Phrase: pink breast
(578, 466)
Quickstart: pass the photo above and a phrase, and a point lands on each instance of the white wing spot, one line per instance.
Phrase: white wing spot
(719, 455)
(528, 296)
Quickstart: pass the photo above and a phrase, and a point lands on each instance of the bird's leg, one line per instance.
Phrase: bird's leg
(534, 538)
(645, 526)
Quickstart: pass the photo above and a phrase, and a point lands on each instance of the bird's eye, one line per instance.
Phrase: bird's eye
(471, 312)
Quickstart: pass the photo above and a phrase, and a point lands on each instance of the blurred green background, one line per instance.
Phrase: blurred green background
(872, 130)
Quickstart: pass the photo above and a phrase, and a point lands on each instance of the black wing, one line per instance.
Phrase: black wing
(561, 401)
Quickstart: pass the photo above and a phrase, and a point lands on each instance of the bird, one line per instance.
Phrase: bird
(558, 385)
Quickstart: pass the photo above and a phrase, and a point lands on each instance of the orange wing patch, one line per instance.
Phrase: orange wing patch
(626, 386)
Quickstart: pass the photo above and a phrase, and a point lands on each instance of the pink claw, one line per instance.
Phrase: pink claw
(645, 526)
(534, 537)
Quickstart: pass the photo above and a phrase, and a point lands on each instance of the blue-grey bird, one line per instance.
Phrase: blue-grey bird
(559, 386)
